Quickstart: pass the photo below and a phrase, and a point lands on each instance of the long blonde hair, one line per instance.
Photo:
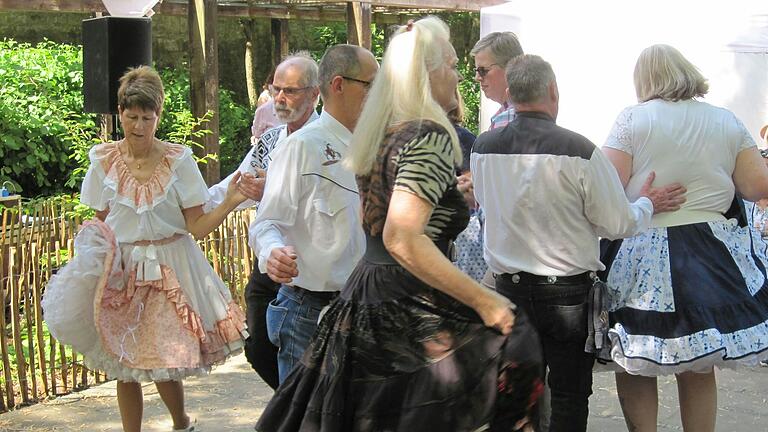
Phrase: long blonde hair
(401, 91)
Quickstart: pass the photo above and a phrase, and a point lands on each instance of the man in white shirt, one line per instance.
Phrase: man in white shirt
(295, 93)
(307, 232)
(549, 194)
(491, 54)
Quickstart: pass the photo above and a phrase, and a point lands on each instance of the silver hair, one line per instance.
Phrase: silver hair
(504, 46)
(302, 59)
(528, 78)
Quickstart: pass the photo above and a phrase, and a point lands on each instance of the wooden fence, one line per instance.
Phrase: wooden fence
(37, 238)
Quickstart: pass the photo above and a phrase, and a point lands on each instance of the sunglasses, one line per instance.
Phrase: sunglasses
(287, 91)
(483, 70)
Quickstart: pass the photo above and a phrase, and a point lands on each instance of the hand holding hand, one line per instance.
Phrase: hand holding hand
(252, 185)
(281, 265)
(664, 199)
(496, 311)
(234, 195)
(466, 187)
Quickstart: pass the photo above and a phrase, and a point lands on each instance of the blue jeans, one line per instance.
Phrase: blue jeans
(291, 321)
(559, 313)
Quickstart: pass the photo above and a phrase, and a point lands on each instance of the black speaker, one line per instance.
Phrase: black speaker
(111, 45)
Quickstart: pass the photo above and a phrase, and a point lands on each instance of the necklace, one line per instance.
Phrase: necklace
(136, 160)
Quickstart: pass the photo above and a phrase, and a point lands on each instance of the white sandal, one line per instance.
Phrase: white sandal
(190, 428)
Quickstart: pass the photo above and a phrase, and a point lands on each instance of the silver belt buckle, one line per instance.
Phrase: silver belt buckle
(515, 278)
(551, 279)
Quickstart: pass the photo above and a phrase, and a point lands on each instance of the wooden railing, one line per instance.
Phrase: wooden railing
(36, 239)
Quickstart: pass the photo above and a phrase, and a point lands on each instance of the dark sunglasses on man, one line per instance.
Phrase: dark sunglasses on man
(482, 71)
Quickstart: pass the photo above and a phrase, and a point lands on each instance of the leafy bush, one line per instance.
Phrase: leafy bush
(45, 135)
(40, 103)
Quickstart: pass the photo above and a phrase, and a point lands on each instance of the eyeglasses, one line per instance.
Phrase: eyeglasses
(287, 91)
(365, 84)
(482, 71)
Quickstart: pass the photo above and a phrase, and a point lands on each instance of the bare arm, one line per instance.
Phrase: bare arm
(623, 163)
(751, 175)
(404, 238)
(200, 224)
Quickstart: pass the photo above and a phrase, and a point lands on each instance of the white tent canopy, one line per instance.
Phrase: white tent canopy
(593, 45)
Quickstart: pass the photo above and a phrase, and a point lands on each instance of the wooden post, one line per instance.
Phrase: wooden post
(204, 79)
(280, 39)
(359, 24)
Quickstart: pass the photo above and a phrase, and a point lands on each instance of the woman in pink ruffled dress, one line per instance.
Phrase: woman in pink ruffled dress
(140, 300)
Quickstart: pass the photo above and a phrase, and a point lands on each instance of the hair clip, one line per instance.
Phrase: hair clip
(409, 25)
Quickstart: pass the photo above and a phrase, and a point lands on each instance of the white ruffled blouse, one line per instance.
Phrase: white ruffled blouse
(143, 211)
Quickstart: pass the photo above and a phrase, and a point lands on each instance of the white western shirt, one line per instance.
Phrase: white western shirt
(548, 195)
(311, 203)
(259, 156)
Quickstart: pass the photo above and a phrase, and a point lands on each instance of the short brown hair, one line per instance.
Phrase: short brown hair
(661, 72)
(141, 88)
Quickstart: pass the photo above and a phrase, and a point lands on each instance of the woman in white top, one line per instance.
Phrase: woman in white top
(690, 293)
(140, 300)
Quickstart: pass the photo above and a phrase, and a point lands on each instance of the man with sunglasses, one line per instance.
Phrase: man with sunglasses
(491, 54)
(307, 232)
(294, 90)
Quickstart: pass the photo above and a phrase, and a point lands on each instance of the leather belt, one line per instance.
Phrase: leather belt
(532, 279)
(322, 295)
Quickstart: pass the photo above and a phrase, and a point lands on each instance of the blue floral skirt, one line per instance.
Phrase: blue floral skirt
(687, 298)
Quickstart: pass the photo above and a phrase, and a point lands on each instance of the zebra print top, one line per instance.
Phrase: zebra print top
(415, 157)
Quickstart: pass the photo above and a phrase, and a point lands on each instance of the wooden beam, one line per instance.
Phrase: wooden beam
(359, 24)
(204, 80)
(451, 5)
(313, 13)
(305, 10)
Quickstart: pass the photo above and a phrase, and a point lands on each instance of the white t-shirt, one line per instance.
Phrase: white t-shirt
(690, 142)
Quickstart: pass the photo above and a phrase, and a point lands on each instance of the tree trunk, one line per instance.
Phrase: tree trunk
(249, 31)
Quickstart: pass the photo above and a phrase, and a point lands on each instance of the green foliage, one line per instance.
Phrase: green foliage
(470, 93)
(40, 100)
(180, 126)
(45, 136)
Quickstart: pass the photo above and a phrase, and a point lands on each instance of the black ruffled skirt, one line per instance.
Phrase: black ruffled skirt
(393, 354)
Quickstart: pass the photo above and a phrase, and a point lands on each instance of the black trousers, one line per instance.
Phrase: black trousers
(559, 313)
(260, 352)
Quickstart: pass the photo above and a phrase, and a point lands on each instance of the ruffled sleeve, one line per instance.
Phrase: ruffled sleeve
(425, 165)
(620, 137)
(190, 186)
(94, 192)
